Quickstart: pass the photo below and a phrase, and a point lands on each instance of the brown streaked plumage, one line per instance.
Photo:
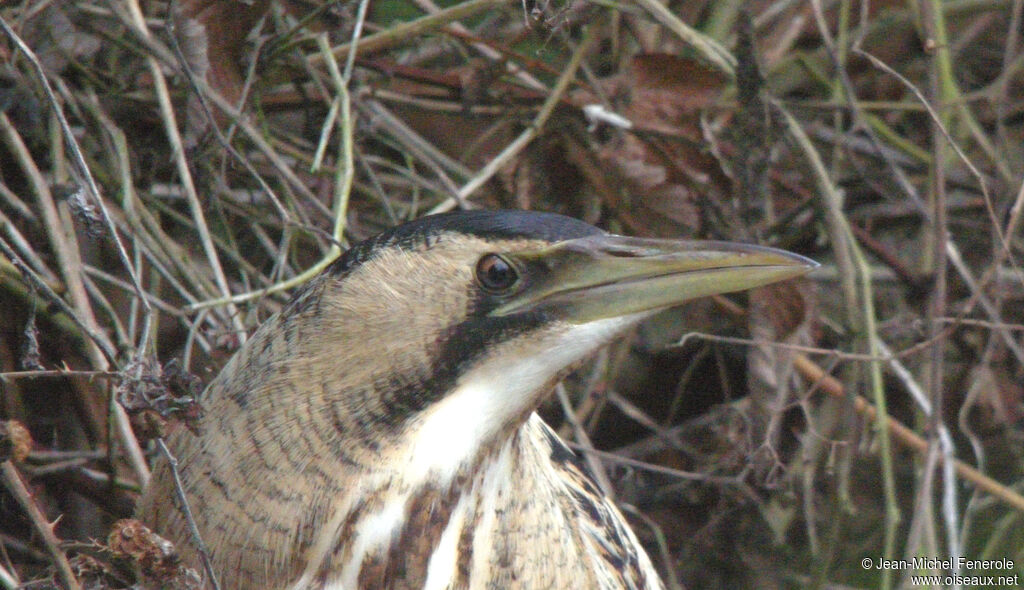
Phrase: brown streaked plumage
(380, 431)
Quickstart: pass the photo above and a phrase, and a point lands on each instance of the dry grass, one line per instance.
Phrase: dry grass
(185, 165)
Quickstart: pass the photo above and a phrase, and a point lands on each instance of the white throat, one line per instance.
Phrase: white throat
(500, 389)
(451, 435)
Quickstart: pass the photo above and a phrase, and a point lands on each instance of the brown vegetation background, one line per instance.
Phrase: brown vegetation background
(169, 171)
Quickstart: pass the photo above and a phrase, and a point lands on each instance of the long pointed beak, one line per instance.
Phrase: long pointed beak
(607, 276)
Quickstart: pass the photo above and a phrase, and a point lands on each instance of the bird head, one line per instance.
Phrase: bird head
(435, 340)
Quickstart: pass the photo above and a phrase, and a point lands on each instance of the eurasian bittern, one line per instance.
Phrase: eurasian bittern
(379, 432)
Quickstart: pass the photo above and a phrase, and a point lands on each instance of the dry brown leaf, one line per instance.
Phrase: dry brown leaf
(154, 555)
(15, 441)
(782, 312)
(662, 164)
(213, 35)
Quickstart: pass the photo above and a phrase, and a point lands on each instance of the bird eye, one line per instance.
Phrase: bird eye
(495, 274)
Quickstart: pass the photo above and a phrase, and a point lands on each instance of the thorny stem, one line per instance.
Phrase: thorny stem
(179, 489)
(16, 486)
